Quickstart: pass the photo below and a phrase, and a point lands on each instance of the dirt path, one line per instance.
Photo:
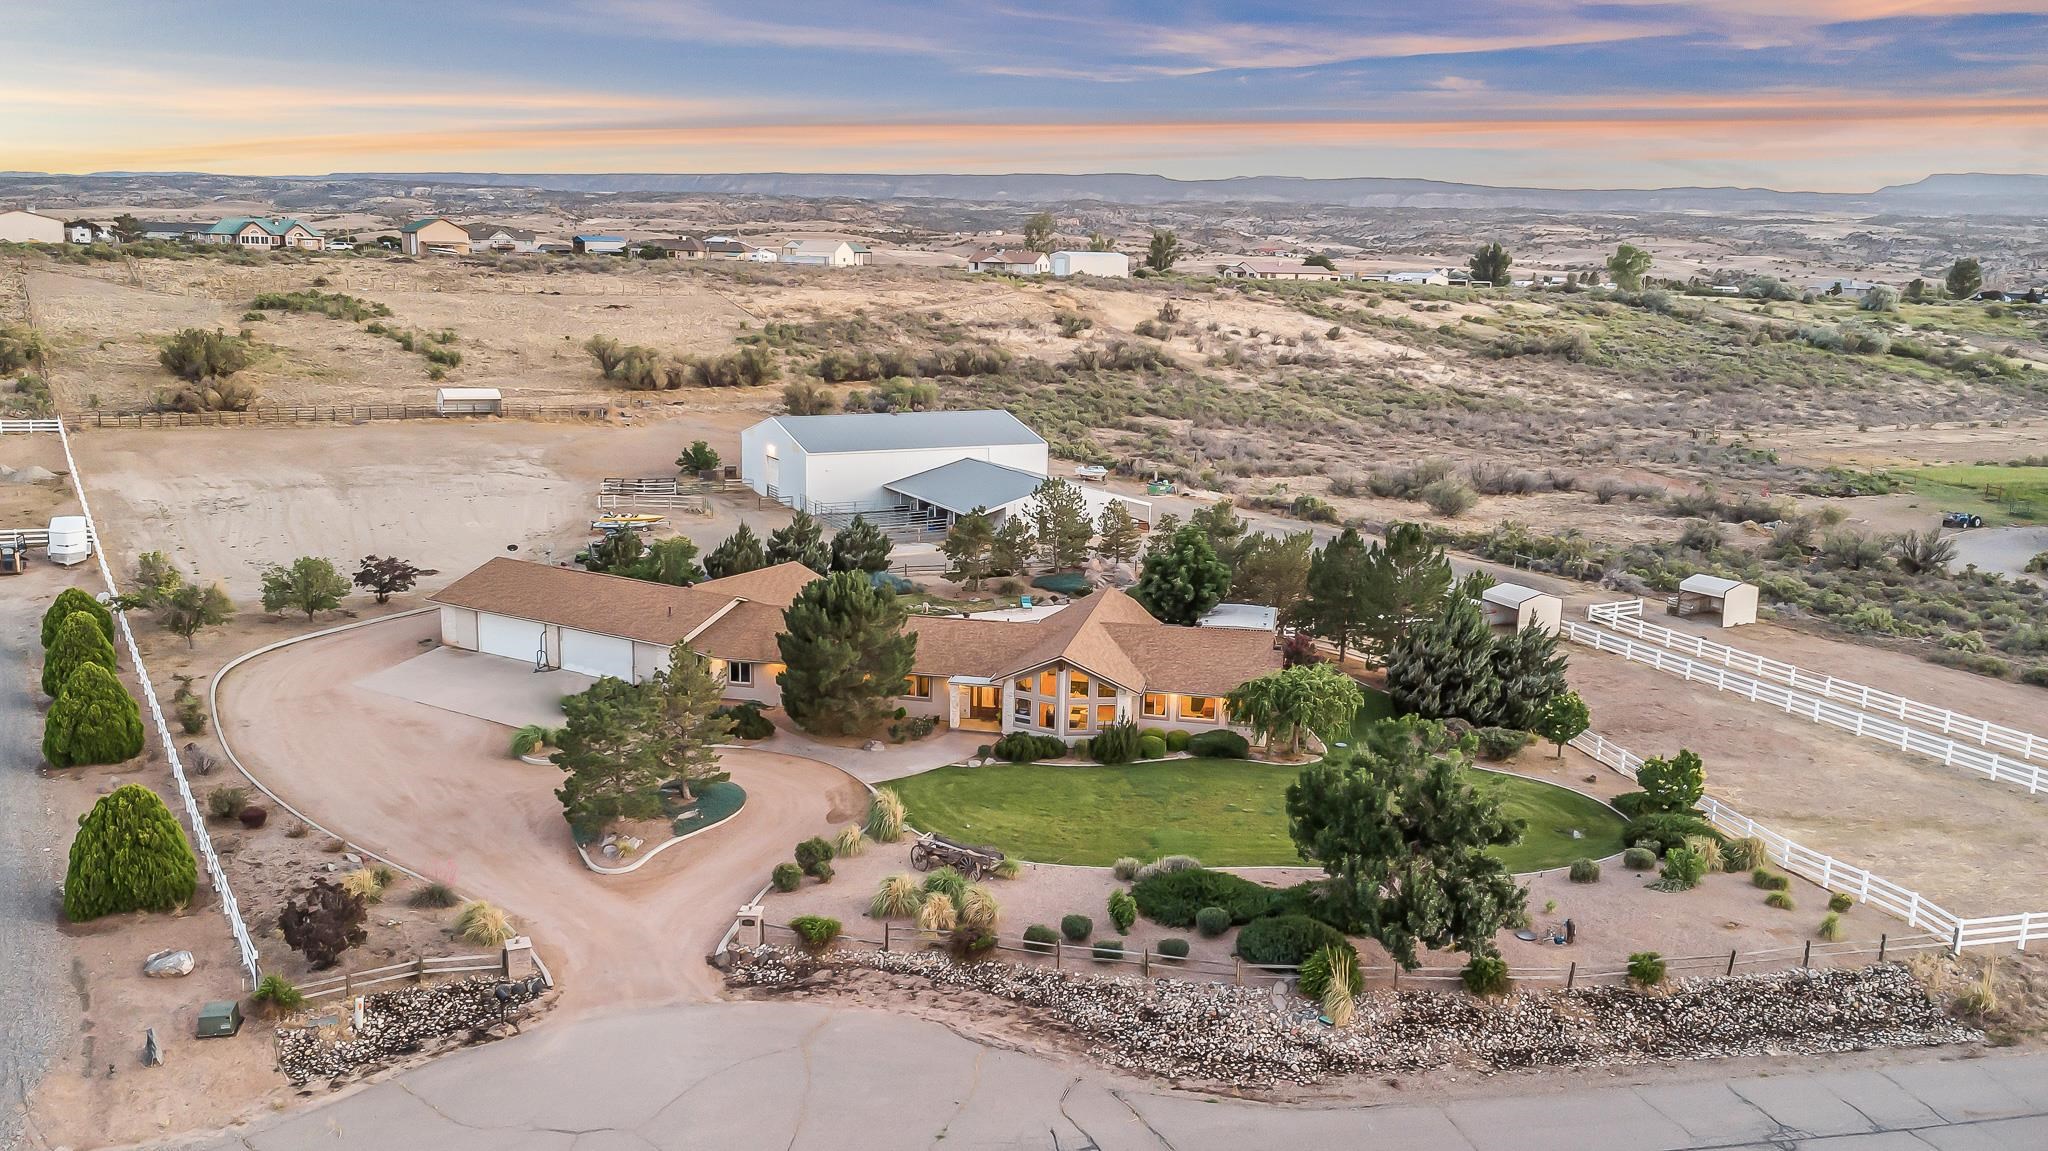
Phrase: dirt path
(436, 791)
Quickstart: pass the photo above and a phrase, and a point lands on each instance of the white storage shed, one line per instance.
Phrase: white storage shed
(1091, 264)
(1731, 601)
(469, 402)
(70, 540)
(1513, 607)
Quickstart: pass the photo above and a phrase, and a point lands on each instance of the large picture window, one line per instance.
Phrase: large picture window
(1201, 707)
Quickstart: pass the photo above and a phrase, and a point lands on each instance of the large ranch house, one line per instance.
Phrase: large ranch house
(1066, 670)
(916, 470)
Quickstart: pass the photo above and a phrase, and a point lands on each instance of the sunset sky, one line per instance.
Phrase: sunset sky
(1819, 94)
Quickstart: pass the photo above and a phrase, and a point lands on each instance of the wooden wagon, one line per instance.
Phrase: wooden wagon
(937, 851)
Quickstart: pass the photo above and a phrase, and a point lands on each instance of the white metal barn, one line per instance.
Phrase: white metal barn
(1733, 601)
(1090, 264)
(847, 462)
(1515, 607)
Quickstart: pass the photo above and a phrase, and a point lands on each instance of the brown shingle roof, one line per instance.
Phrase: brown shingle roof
(776, 585)
(745, 633)
(588, 601)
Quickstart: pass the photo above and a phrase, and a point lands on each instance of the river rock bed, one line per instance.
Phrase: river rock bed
(1254, 1037)
(398, 1023)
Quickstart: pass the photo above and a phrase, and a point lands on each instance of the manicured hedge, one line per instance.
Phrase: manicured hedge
(1286, 940)
(1668, 830)
(1175, 898)
(129, 855)
(1024, 747)
(1219, 745)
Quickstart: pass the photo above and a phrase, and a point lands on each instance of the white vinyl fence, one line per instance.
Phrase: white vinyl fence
(244, 945)
(1835, 875)
(1872, 727)
(27, 427)
(1626, 617)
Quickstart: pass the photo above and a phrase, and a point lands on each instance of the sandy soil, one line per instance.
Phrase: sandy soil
(1917, 444)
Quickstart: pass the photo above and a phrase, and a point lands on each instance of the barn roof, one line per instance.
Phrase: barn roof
(905, 431)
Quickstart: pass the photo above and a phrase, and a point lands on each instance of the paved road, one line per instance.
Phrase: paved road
(33, 1009)
(733, 1076)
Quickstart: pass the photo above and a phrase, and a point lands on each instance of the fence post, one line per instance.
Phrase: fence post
(1059, 950)
(1731, 960)
(419, 966)
(1955, 946)
(1880, 947)
(1145, 962)
(1806, 960)
(1571, 975)
(885, 935)
(1237, 970)
(761, 931)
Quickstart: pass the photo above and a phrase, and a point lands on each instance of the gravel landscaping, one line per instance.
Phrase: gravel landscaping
(400, 1023)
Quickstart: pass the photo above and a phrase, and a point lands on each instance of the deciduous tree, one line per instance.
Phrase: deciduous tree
(193, 608)
(1565, 719)
(1675, 784)
(310, 585)
(1059, 514)
(861, 548)
(1181, 578)
(1627, 267)
(1224, 527)
(801, 540)
(1038, 232)
(845, 655)
(129, 855)
(386, 576)
(1283, 705)
(697, 459)
(740, 552)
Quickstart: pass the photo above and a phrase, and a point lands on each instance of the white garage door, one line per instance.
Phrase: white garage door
(512, 638)
(594, 654)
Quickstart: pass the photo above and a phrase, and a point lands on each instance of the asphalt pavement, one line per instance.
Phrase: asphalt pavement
(736, 1076)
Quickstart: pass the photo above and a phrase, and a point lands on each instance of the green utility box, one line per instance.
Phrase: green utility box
(219, 1019)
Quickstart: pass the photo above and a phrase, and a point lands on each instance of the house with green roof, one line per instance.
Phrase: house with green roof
(434, 235)
(267, 232)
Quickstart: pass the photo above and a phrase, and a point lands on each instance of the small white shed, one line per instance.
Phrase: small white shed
(469, 402)
(70, 540)
(1243, 616)
(1513, 607)
(1731, 600)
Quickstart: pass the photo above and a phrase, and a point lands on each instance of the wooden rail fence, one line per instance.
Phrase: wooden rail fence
(417, 969)
(332, 414)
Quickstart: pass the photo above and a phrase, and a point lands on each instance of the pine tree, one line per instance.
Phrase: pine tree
(94, 720)
(1404, 839)
(1182, 578)
(129, 855)
(1530, 670)
(845, 654)
(1273, 571)
(1443, 669)
(605, 748)
(1117, 535)
(741, 552)
(1335, 605)
(73, 599)
(1059, 515)
(686, 724)
(861, 548)
(1404, 580)
(1490, 263)
(79, 641)
(672, 561)
(616, 553)
(1225, 529)
(1010, 551)
(970, 549)
(802, 541)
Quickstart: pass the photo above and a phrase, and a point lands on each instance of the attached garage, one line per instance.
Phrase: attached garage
(594, 654)
(518, 639)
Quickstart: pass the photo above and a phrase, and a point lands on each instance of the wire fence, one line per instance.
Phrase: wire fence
(327, 414)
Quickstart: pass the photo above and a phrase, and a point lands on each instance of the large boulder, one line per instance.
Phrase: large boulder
(168, 965)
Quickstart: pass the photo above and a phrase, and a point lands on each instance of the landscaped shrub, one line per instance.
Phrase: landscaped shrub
(1125, 868)
(1177, 740)
(364, 884)
(812, 852)
(226, 802)
(937, 913)
(1831, 926)
(1486, 975)
(79, 641)
(1683, 870)
(1168, 864)
(322, 922)
(1769, 880)
(1024, 747)
(1315, 970)
(820, 871)
(786, 877)
(1706, 848)
(1782, 900)
(1285, 940)
(1123, 910)
(885, 816)
(1840, 902)
(1039, 937)
(1212, 921)
(94, 720)
(947, 880)
(71, 600)
(129, 855)
(815, 930)
(1109, 950)
(1500, 742)
(1172, 947)
(434, 895)
(1219, 745)
(1585, 871)
(970, 942)
(978, 909)
(1114, 744)
(1151, 747)
(747, 720)
(1667, 830)
(898, 895)
(1076, 927)
(848, 842)
(1639, 859)
(1175, 898)
(277, 994)
(1646, 969)
(1743, 854)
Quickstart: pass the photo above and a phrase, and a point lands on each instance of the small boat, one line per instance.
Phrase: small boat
(627, 522)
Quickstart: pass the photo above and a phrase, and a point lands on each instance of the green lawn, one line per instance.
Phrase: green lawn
(1999, 494)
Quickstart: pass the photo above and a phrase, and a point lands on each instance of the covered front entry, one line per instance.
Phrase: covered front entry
(974, 705)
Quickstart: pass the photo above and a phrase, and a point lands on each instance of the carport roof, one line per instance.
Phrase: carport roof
(964, 485)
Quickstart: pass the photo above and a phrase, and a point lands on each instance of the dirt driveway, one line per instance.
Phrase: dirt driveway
(437, 792)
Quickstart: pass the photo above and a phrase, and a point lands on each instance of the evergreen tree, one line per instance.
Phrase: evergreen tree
(1182, 578)
(94, 720)
(1404, 580)
(1444, 668)
(845, 654)
(686, 726)
(861, 548)
(1627, 266)
(1490, 263)
(1059, 515)
(73, 599)
(741, 552)
(1273, 570)
(310, 585)
(672, 561)
(605, 748)
(697, 459)
(1404, 839)
(969, 548)
(1335, 605)
(802, 541)
(616, 552)
(1965, 277)
(1164, 250)
(1225, 529)
(192, 608)
(129, 855)
(1116, 534)
(1530, 670)
(79, 641)
(1010, 550)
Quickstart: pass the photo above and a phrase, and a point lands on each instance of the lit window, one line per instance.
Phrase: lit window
(917, 686)
(1077, 684)
(1105, 714)
(1045, 716)
(739, 674)
(1155, 705)
(1105, 690)
(1024, 684)
(1077, 717)
(1202, 707)
(1048, 683)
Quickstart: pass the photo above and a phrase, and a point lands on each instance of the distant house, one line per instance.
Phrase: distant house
(87, 232)
(1436, 278)
(263, 232)
(599, 245)
(171, 230)
(1841, 286)
(683, 248)
(499, 238)
(1264, 269)
(435, 235)
(824, 253)
(19, 226)
(1010, 261)
(1090, 264)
